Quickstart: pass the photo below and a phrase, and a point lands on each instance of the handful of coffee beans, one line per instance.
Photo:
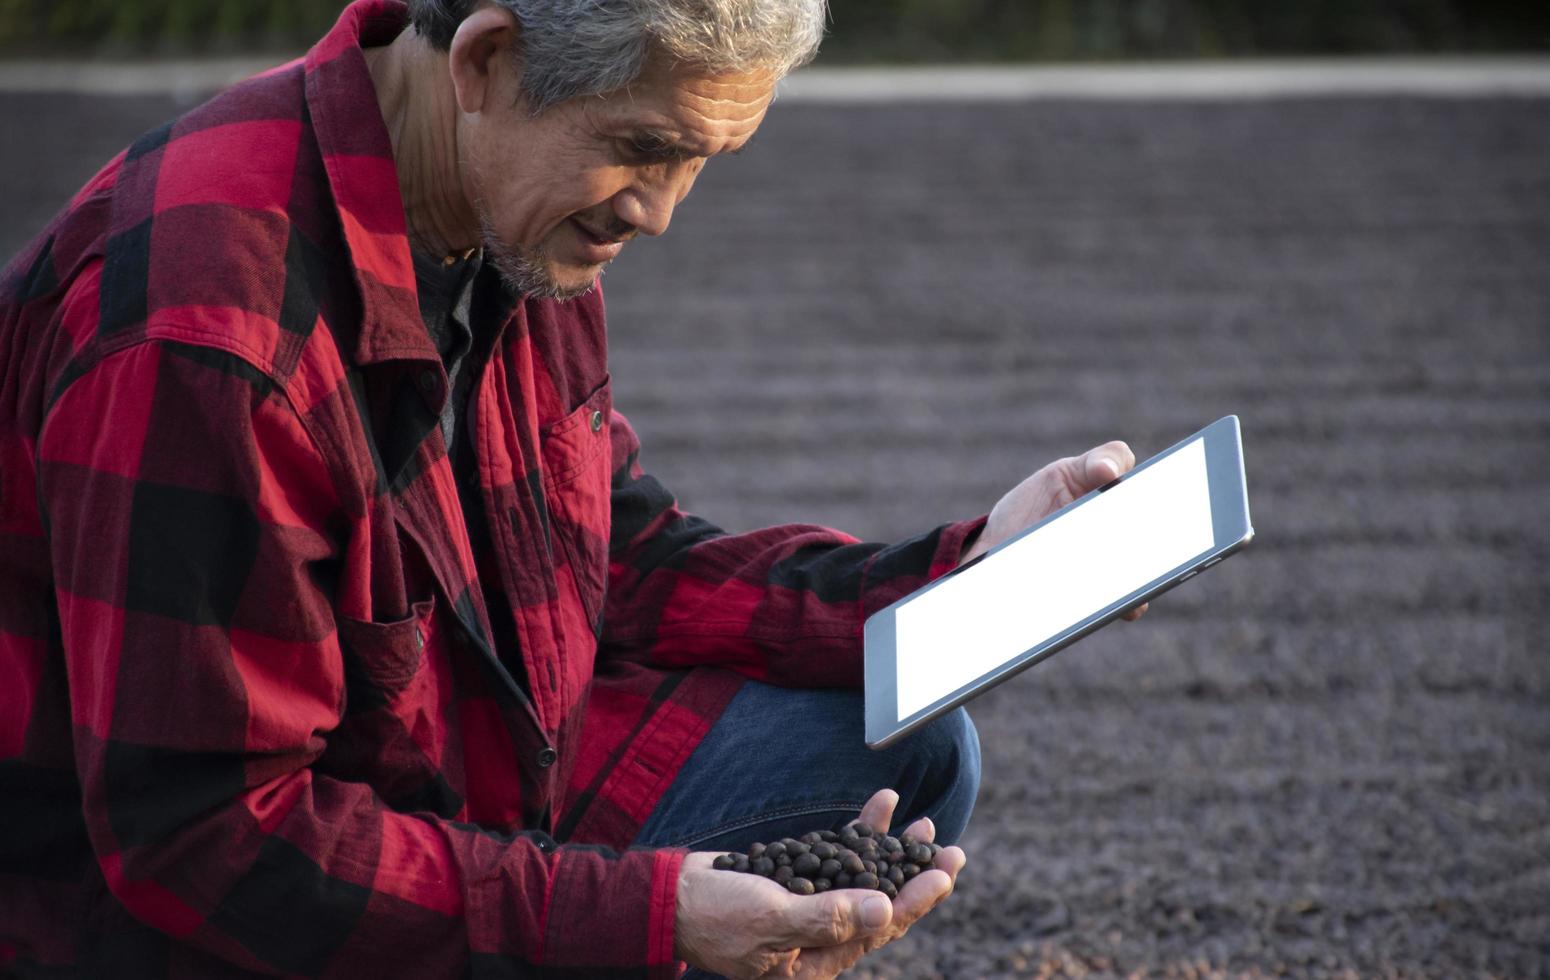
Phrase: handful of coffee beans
(856, 857)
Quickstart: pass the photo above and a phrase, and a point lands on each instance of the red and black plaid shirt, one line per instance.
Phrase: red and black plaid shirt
(250, 718)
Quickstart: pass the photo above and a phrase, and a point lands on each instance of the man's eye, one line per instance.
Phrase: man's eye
(648, 148)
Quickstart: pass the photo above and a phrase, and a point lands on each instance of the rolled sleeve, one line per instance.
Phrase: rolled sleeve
(783, 604)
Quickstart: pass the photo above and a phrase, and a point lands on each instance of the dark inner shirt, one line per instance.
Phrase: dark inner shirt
(461, 303)
(446, 295)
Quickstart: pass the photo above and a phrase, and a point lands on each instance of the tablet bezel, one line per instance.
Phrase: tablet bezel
(1231, 528)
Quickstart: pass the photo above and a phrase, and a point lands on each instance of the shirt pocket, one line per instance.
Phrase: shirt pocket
(381, 659)
(577, 464)
(388, 737)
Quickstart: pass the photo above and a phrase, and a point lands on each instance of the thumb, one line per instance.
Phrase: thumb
(837, 917)
(1105, 464)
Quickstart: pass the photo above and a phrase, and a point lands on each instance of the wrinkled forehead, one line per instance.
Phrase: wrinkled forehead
(705, 113)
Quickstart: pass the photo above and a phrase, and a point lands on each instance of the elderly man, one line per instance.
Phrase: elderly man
(342, 632)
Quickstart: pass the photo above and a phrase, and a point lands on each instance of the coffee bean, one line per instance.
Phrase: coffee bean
(854, 857)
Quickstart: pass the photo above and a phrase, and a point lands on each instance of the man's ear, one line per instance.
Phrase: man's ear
(482, 57)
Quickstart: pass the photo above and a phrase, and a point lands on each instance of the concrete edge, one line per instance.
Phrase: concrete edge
(1440, 77)
(1174, 81)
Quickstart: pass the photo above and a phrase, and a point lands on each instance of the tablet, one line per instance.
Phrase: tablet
(1083, 566)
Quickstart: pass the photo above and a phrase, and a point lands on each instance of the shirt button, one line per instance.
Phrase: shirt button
(428, 381)
(419, 638)
(597, 421)
(546, 757)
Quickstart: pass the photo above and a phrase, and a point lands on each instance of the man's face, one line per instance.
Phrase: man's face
(560, 194)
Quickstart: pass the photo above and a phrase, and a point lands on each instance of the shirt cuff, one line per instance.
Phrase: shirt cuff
(662, 920)
(589, 910)
(900, 569)
(951, 542)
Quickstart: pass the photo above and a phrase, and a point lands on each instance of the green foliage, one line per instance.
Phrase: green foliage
(161, 26)
(1075, 30)
(879, 30)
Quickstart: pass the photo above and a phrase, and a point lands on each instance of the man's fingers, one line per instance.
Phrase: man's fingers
(878, 811)
(922, 830)
(951, 861)
(881, 920)
(1101, 470)
(785, 964)
(836, 917)
(920, 895)
(928, 889)
(1106, 463)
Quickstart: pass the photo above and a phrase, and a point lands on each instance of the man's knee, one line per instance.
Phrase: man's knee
(945, 756)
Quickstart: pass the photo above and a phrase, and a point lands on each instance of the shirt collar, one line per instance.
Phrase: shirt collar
(358, 157)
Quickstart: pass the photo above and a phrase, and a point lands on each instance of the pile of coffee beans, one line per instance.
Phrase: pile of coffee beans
(856, 857)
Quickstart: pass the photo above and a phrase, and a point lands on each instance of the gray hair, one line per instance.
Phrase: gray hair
(586, 47)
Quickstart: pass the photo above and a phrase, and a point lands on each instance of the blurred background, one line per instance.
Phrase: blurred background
(877, 30)
(1329, 757)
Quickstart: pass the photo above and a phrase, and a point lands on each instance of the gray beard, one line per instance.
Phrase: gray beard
(525, 271)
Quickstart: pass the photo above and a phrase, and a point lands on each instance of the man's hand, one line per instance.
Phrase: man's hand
(1050, 489)
(743, 926)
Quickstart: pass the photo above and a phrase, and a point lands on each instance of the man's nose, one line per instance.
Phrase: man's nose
(647, 209)
(649, 204)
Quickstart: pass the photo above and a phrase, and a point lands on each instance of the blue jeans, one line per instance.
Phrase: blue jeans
(780, 762)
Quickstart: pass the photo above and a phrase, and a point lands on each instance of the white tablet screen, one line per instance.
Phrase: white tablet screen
(1054, 578)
